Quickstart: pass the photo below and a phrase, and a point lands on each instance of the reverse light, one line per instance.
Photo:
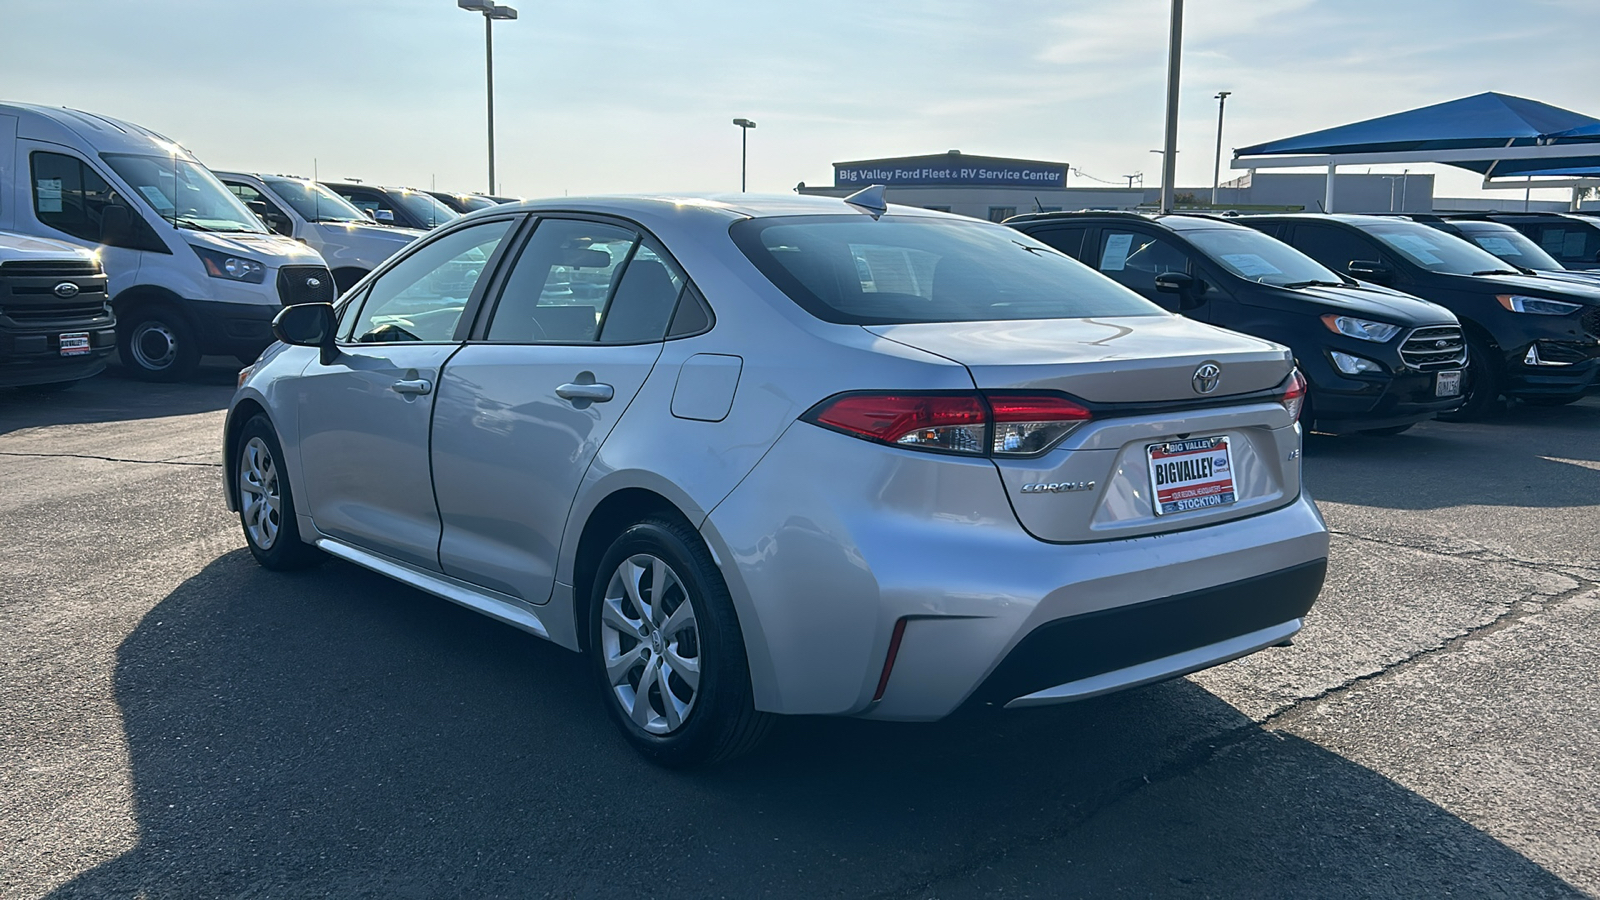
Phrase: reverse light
(1538, 306)
(1353, 365)
(1294, 395)
(1360, 329)
(964, 422)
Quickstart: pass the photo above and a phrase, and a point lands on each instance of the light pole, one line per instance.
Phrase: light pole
(1169, 156)
(1216, 169)
(744, 149)
(491, 11)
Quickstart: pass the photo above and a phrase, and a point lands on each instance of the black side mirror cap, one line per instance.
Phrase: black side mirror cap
(1174, 282)
(308, 325)
(1368, 270)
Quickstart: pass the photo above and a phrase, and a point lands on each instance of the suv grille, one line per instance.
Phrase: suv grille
(1591, 322)
(50, 268)
(305, 284)
(1435, 347)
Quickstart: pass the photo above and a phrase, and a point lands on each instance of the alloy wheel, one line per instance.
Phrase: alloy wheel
(650, 644)
(260, 497)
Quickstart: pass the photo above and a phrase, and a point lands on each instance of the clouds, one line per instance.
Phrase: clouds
(637, 95)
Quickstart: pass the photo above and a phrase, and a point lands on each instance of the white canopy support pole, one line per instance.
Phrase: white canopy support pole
(1327, 200)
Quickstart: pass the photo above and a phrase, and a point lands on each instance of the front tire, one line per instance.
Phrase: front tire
(157, 344)
(266, 505)
(666, 649)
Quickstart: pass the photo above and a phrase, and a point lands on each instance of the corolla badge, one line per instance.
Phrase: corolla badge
(65, 290)
(1058, 487)
(1206, 378)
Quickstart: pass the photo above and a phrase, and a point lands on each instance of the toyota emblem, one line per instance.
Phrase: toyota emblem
(313, 283)
(66, 290)
(1207, 377)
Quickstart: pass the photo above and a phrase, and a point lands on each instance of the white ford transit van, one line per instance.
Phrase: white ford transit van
(190, 270)
(302, 209)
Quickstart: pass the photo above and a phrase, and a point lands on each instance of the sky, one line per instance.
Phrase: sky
(639, 95)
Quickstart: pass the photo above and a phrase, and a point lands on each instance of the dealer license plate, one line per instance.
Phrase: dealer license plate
(1192, 474)
(1447, 384)
(74, 343)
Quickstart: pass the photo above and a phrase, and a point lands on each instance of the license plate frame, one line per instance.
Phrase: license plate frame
(1201, 479)
(73, 343)
(1447, 383)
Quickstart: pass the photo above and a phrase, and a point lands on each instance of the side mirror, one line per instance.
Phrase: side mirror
(308, 325)
(116, 224)
(383, 216)
(1190, 290)
(1367, 270)
(369, 214)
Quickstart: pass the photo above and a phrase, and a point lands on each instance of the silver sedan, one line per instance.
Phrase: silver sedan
(786, 455)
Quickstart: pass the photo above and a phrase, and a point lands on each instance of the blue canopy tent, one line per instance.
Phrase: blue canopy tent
(1493, 134)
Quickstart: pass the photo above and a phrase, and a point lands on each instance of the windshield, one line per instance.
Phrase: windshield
(1436, 251)
(314, 202)
(429, 212)
(184, 193)
(852, 269)
(1254, 256)
(1510, 245)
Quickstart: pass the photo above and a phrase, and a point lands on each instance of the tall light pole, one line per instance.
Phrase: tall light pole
(1216, 169)
(491, 11)
(1169, 156)
(744, 149)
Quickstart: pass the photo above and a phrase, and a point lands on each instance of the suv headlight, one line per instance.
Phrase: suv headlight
(233, 268)
(1360, 329)
(1538, 306)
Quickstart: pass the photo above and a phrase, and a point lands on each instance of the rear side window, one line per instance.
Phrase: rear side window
(1334, 247)
(1570, 243)
(1067, 240)
(855, 270)
(558, 288)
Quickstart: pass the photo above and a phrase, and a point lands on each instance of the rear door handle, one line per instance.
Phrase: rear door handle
(413, 387)
(595, 393)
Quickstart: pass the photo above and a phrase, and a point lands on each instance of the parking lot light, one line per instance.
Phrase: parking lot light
(744, 147)
(491, 12)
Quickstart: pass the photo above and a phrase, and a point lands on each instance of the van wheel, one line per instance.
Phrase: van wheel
(266, 506)
(157, 344)
(1482, 384)
(666, 649)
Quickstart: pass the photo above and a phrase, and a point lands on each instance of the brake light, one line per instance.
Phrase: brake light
(1294, 396)
(966, 422)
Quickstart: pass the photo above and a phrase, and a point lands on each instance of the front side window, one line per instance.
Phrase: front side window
(422, 296)
(184, 193)
(559, 285)
(1134, 259)
(265, 209)
(1253, 256)
(314, 202)
(854, 270)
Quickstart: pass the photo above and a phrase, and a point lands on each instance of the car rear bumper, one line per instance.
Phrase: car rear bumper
(826, 563)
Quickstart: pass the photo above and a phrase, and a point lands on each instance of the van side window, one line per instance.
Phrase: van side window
(265, 210)
(71, 197)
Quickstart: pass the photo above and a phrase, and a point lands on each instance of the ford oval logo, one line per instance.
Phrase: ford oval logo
(313, 283)
(65, 290)
(1207, 377)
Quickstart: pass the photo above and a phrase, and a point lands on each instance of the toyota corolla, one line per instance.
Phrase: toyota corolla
(762, 456)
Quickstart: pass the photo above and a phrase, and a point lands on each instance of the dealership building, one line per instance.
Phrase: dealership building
(985, 187)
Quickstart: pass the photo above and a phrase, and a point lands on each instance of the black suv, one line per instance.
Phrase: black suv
(1532, 338)
(1510, 245)
(404, 207)
(1572, 239)
(56, 327)
(1377, 360)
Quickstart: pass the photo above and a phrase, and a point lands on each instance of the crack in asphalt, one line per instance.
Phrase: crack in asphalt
(147, 462)
(1481, 554)
(1201, 752)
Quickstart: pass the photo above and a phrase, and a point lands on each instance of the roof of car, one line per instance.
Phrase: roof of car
(1182, 221)
(732, 206)
(1347, 218)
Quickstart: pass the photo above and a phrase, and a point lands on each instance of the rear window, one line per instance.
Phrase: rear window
(854, 270)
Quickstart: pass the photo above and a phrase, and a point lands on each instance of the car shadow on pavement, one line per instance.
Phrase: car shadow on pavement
(331, 733)
(115, 396)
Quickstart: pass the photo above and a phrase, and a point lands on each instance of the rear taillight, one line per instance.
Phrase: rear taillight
(1294, 395)
(965, 422)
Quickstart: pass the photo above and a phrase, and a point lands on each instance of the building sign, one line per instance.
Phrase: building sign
(951, 169)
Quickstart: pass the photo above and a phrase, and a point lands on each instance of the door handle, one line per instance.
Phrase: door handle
(413, 387)
(595, 393)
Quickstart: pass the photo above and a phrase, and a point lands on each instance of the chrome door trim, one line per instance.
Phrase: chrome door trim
(491, 603)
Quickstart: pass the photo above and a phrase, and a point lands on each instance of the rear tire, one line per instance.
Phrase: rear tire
(157, 343)
(667, 652)
(1391, 431)
(266, 504)
(1482, 384)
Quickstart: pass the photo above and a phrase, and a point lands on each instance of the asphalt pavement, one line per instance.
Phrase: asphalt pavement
(176, 722)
